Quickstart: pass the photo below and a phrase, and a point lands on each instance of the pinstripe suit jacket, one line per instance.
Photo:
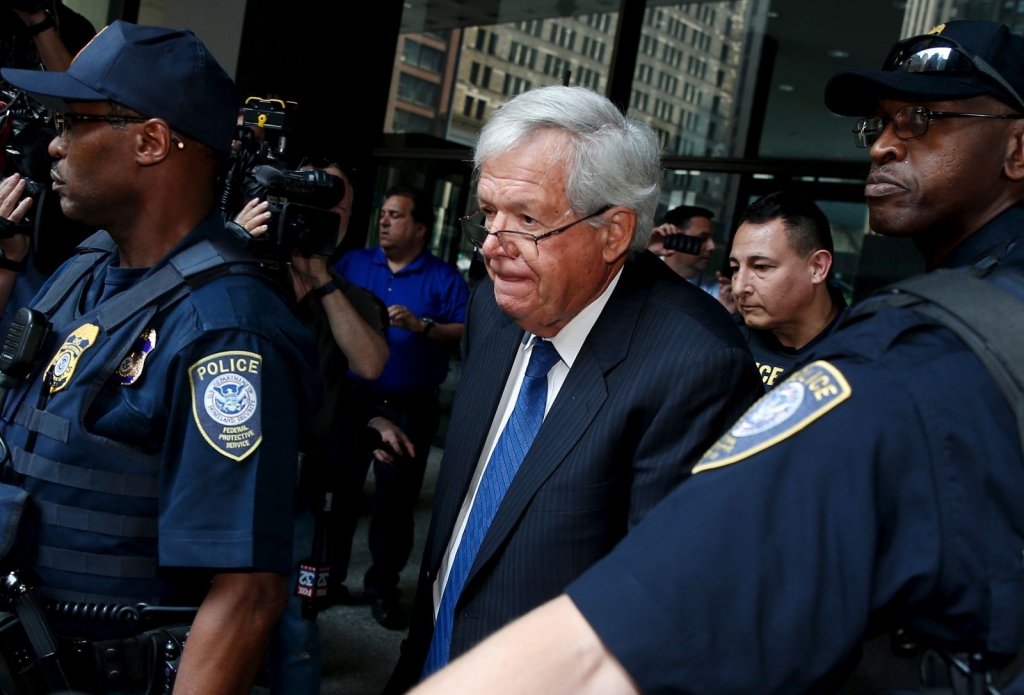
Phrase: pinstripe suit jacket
(662, 374)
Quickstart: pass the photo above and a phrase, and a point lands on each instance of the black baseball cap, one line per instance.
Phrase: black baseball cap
(158, 72)
(955, 60)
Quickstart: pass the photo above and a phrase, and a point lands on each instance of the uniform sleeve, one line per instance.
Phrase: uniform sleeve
(228, 477)
(759, 575)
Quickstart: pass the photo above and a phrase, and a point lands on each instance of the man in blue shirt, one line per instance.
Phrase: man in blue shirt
(426, 300)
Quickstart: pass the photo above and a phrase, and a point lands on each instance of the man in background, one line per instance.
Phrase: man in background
(348, 324)
(694, 268)
(781, 262)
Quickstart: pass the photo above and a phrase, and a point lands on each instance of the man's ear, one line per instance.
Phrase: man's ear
(153, 142)
(820, 263)
(618, 233)
(1013, 167)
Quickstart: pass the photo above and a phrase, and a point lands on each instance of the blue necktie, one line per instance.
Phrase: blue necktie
(509, 452)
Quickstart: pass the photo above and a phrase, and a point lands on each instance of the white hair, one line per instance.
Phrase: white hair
(611, 159)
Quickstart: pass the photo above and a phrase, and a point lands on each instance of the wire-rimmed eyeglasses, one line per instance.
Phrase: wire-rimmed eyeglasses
(66, 120)
(932, 54)
(910, 122)
(522, 244)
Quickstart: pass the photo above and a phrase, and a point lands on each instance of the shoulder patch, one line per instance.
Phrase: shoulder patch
(226, 401)
(785, 410)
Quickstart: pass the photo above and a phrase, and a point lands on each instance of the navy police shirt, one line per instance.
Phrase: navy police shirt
(167, 442)
(879, 487)
(776, 361)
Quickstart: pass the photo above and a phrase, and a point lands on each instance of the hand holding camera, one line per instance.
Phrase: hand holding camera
(14, 242)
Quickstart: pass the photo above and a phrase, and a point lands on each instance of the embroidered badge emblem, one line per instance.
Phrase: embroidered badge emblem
(226, 401)
(788, 408)
(62, 366)
(130, 369)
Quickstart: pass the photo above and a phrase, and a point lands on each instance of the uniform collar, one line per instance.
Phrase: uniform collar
(210, 228)
(991, 240)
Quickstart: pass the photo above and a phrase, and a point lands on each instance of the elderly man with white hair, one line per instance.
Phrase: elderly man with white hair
(593, 376)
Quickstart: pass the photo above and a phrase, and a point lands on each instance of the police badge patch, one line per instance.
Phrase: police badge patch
(785, 410)
(62, 366)
(226, 401)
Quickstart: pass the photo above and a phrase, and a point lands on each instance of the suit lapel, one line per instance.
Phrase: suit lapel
(484, 377)
(579, 400)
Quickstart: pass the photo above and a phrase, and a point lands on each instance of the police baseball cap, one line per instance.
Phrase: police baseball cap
(955, 60)
(158, 72)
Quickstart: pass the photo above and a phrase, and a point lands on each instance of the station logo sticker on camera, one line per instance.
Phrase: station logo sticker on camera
(62, 366)
(227, 400)
(785, 410)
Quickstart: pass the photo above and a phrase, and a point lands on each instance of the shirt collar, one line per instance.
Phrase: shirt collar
(569, 341)
(983, 242)
(380, 259)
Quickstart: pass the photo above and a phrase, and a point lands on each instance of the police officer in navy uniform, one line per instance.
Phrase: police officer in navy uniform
(781, 261)
(879, 489)
(158, 434)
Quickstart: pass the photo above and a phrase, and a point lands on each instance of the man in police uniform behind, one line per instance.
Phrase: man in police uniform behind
(781, 260)
(158, 434)
(880, 487)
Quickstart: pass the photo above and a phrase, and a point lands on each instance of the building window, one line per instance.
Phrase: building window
(418, 91)
(407, 122)
(421, 56)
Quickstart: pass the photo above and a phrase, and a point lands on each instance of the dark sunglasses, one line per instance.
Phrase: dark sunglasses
(938, 54)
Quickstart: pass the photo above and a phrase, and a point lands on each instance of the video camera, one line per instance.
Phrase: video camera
(26, 129)
(300, 201)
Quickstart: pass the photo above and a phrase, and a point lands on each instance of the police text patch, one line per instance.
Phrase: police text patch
(800, 400)
(226, 401)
